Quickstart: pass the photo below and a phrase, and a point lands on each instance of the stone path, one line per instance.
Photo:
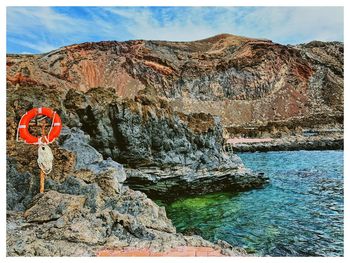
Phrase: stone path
(181, 251)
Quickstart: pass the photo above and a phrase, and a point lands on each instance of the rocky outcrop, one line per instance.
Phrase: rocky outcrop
(176, 182)
(52, 205)
(87, 207)
(88, 211)
(164, 152)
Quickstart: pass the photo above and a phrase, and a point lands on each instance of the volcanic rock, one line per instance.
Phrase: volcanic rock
(154, 116)
(57, 223)
(51, 206)
(244, 80)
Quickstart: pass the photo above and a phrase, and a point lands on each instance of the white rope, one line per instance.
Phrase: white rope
(52, 124)
(45, 158)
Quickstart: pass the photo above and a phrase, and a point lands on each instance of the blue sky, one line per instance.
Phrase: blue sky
(42, 29)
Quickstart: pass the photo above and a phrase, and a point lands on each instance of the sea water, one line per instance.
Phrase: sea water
(300, 212)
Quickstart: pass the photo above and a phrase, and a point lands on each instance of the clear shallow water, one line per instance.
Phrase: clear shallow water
(300, 213)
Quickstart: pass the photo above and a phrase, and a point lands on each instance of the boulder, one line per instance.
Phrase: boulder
(52, 205)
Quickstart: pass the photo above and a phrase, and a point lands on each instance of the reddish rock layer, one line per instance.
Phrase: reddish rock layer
(246, 81)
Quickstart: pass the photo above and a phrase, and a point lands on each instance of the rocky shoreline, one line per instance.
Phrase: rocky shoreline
(179, 182)
(88, 211)
(166, 154)
(291, 143)
(110, 148)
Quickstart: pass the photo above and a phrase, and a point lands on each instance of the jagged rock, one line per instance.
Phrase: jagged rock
(87, 157)
(77, 142)
(75, 186)
(20, 188)
(83, 214)
(110, 168)
(149, 136)
(91, 229)
(147, 212)
(52, 205)
(173, 153)
(243, 80)
(175, 182)
(61, 224)
(229, 250)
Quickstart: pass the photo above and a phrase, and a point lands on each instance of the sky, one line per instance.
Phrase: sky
(42, 29)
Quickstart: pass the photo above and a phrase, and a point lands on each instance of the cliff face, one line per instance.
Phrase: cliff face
(167, 154)
(246, 81)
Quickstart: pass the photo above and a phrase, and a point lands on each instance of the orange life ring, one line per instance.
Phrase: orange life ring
(28, 116)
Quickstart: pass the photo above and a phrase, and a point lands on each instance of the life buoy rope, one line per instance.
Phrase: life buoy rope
(23, 126)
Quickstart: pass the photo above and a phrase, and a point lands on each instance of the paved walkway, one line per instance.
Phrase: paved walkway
(174, 252)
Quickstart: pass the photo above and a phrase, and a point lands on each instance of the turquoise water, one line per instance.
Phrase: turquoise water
(300, 213)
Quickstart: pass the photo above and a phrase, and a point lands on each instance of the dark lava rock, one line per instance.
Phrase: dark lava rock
(165, 153)
(88, 210)
(57, 223)
(145, 135)
(20, 187)
(176, 182)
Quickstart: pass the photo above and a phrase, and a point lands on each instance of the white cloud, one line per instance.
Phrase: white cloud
(43, 28)
(42, 47)
(281, 24)
(188, 25)
(26, 19)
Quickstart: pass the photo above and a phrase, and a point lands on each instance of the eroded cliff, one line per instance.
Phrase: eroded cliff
(245, 81)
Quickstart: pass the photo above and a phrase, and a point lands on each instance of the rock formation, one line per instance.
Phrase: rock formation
(245, 81)
(87, 211)
(152, 116)
(165, 153)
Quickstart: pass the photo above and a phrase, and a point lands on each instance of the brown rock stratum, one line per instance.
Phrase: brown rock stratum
(246, 81)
